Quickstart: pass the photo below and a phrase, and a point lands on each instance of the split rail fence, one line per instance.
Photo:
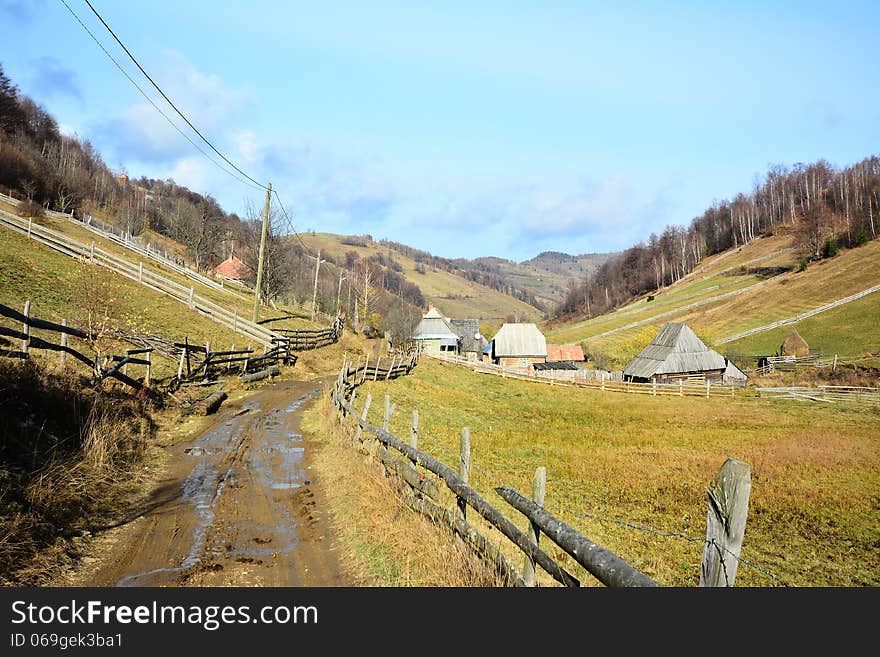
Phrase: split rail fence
(573, 378)
(111, 366)
(859, 394)
(728, 501)
(139, 274)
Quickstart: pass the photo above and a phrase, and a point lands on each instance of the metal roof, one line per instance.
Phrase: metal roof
(555, 365)
(565, 352)
(434, 326)
(676, 349)
(520, 340)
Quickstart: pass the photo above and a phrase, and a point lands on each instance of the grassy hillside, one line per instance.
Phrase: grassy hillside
(455, 296)
(647, 461)
(743, 289)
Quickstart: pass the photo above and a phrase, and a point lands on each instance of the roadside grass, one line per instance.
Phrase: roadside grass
(647, 461)
(383, 542)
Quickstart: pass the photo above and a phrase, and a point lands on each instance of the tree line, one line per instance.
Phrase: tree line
(822, 207)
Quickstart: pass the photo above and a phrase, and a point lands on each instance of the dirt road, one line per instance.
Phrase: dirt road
(237, 507)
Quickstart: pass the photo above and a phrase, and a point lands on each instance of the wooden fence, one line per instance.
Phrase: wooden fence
(306, 339)
(139, 274)
(111, 366)
(570, 378)
(728, 502)
(858, 394)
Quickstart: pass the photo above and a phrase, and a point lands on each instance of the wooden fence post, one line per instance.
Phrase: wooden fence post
(539, 487)
(30, 222)
(148, 380)
(725, 523)
(708, 384)
(376, 373)
(140, 272)
(64, 344)
(364, 416)
(92, 252)
(192, 292)
(654, 387)
(26, 328)
(366, 364)
(464, 466)
(414, 431)
(680, 388)
(390, 367)
(180, 365)
(125, 367)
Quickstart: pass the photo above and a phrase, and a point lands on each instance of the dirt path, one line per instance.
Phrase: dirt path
(237, 507)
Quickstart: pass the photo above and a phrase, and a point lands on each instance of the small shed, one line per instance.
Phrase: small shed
(676, 353)
(471, 341)
(435, 333)
(794, 345)
(519, 345)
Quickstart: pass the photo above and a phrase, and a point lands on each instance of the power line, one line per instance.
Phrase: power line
(150, 100)
(169, 101)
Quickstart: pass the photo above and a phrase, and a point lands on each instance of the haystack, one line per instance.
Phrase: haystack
(794, 345)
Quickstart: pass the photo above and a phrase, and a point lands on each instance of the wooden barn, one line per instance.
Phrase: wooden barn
(518, 345)
(471, 342)
(676, 353)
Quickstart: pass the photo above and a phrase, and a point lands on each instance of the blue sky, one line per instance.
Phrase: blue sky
(466, 128)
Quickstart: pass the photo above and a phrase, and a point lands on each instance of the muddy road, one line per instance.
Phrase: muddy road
(237, 507)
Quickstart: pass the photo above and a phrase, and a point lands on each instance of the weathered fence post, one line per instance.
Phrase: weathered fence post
(26, 328)
(414, 431)
(64, 344)
(539, 487)
(725, 523)
(234, 322)
(92, 252)
(148, 380)
(708, 384)
(366, 364)
(192, 292)
(680, 388)
(140, 272)
(390, 368)
(364, 415)
(654, 387)
(125, 367)
(464, 466)
(180, 365)
(376, 373)
(30, 222)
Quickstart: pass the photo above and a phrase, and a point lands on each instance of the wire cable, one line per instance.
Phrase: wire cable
(150, 100)
(168, 100)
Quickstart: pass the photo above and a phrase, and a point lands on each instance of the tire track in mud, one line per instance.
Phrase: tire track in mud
(239, 507)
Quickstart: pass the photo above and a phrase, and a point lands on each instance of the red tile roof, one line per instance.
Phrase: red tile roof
(565, 352)
(232, 267)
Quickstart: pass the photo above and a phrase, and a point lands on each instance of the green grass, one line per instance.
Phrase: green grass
(815, 476)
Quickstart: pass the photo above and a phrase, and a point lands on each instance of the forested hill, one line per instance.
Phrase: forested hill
(823, 208)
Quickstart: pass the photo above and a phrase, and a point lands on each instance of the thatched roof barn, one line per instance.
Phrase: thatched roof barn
(794, 345)
(471, 341)
(676, 353)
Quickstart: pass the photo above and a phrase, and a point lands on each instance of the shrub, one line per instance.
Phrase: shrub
(31, 209)
(830, 248)
(862, 237)
(802, 265)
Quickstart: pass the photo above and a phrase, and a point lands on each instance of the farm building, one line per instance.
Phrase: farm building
(565, 353)
(471, 341)
(518, 345)
(435, 333)
(231, 268)
(676, 353)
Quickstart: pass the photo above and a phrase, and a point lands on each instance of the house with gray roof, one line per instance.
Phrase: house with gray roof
(676, 353)
(518, 345)
(435, 334)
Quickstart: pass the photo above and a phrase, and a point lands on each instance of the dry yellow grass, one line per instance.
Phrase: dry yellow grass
(647, 461)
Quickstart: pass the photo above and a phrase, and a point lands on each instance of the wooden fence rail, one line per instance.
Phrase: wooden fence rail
(139, 274)
(567, 378)
(829, 394)
(728, 501)
(98, 369)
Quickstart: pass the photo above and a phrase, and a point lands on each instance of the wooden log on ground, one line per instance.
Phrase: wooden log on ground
(262, 374)
(603, 564)
(208, 405)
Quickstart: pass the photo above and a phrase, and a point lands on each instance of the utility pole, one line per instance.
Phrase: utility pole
(315, 291)
(339, 292)
(262, 253)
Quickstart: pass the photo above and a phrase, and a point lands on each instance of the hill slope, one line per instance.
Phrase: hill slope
(742, 289)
